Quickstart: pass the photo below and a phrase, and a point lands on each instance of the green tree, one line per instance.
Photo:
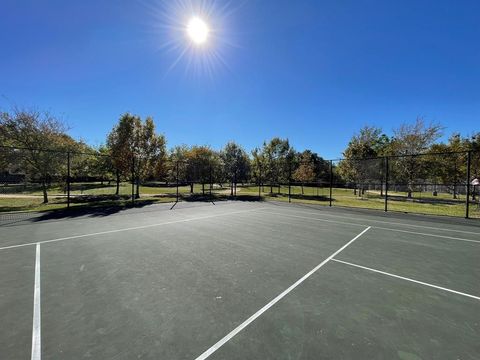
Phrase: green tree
(43, 142)
(137, 149)
(177, 157)
(102, 164)
(277, 160)
(305, 172)
(359, 166)
(447, 163)
(236, 163)
(201, 164)
(409, 141)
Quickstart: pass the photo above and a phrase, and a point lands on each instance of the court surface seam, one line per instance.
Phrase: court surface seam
(36, 327)
(126, 229)
(375, 227)
(407, 279)
(252, 318)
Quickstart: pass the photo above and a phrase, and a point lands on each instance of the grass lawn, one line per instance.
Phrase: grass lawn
(97, 194)
(346, 197)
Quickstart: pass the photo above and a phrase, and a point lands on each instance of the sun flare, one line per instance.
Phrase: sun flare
(196, 35)
(197, 30)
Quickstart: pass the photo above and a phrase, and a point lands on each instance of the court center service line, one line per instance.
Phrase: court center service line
(407, 279)
(36, 327)
(126, 229)
(252, 318)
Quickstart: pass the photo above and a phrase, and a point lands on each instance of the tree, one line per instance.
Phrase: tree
(32, 130)
(359, 165)
(305, 172)
(102, 164)
(447, 163)
(472, 144)
(137, 150)
(201, 164)
(257, 164)
(409, 141)
(236, 164)
(178, 156)
(277, 157)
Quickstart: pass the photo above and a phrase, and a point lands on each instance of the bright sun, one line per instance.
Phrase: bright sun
(197, 30)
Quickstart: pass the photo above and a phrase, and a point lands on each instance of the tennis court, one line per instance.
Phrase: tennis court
(239, 280)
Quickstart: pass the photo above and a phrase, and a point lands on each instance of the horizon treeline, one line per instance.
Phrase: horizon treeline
(134, 146)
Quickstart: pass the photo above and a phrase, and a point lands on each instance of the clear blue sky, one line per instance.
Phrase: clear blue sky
(313, 71)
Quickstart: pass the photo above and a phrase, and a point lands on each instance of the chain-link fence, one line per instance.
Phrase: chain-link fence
(440, 184)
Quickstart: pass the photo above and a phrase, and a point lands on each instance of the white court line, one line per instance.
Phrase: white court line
(36, 328)
(391, 222)
(408, 279)
(244, 324)
(426, 234)
(375, 227)
(126, 229)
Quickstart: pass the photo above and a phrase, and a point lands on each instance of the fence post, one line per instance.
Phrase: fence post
(331, 182)
(235, 185)
(133, 180)
(289, 182)
(177, 180)
(467, 200)
(260, 183)
(386, 182)
(211, 184)
(68, 179)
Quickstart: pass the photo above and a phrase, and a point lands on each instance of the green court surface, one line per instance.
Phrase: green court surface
(239, 280)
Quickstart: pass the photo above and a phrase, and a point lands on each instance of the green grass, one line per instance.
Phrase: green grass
(96, 194)
(346, 198)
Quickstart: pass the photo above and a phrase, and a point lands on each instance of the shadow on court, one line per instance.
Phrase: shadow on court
(104, 210)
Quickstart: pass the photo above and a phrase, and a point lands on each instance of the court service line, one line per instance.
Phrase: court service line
(126, 229)
(391, 222)
(376, 227)
(244, 324)
(36, 327)
(408, 279)
(427, 234)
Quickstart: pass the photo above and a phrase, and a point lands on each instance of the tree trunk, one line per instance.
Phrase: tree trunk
(117, 190)
(44, 190)
(191, 188)
(203, 188)
(302, 188)
(137, 195)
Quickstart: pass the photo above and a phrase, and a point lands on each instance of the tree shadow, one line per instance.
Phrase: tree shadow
(107, 205)
(97, 210)
(319, 198)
